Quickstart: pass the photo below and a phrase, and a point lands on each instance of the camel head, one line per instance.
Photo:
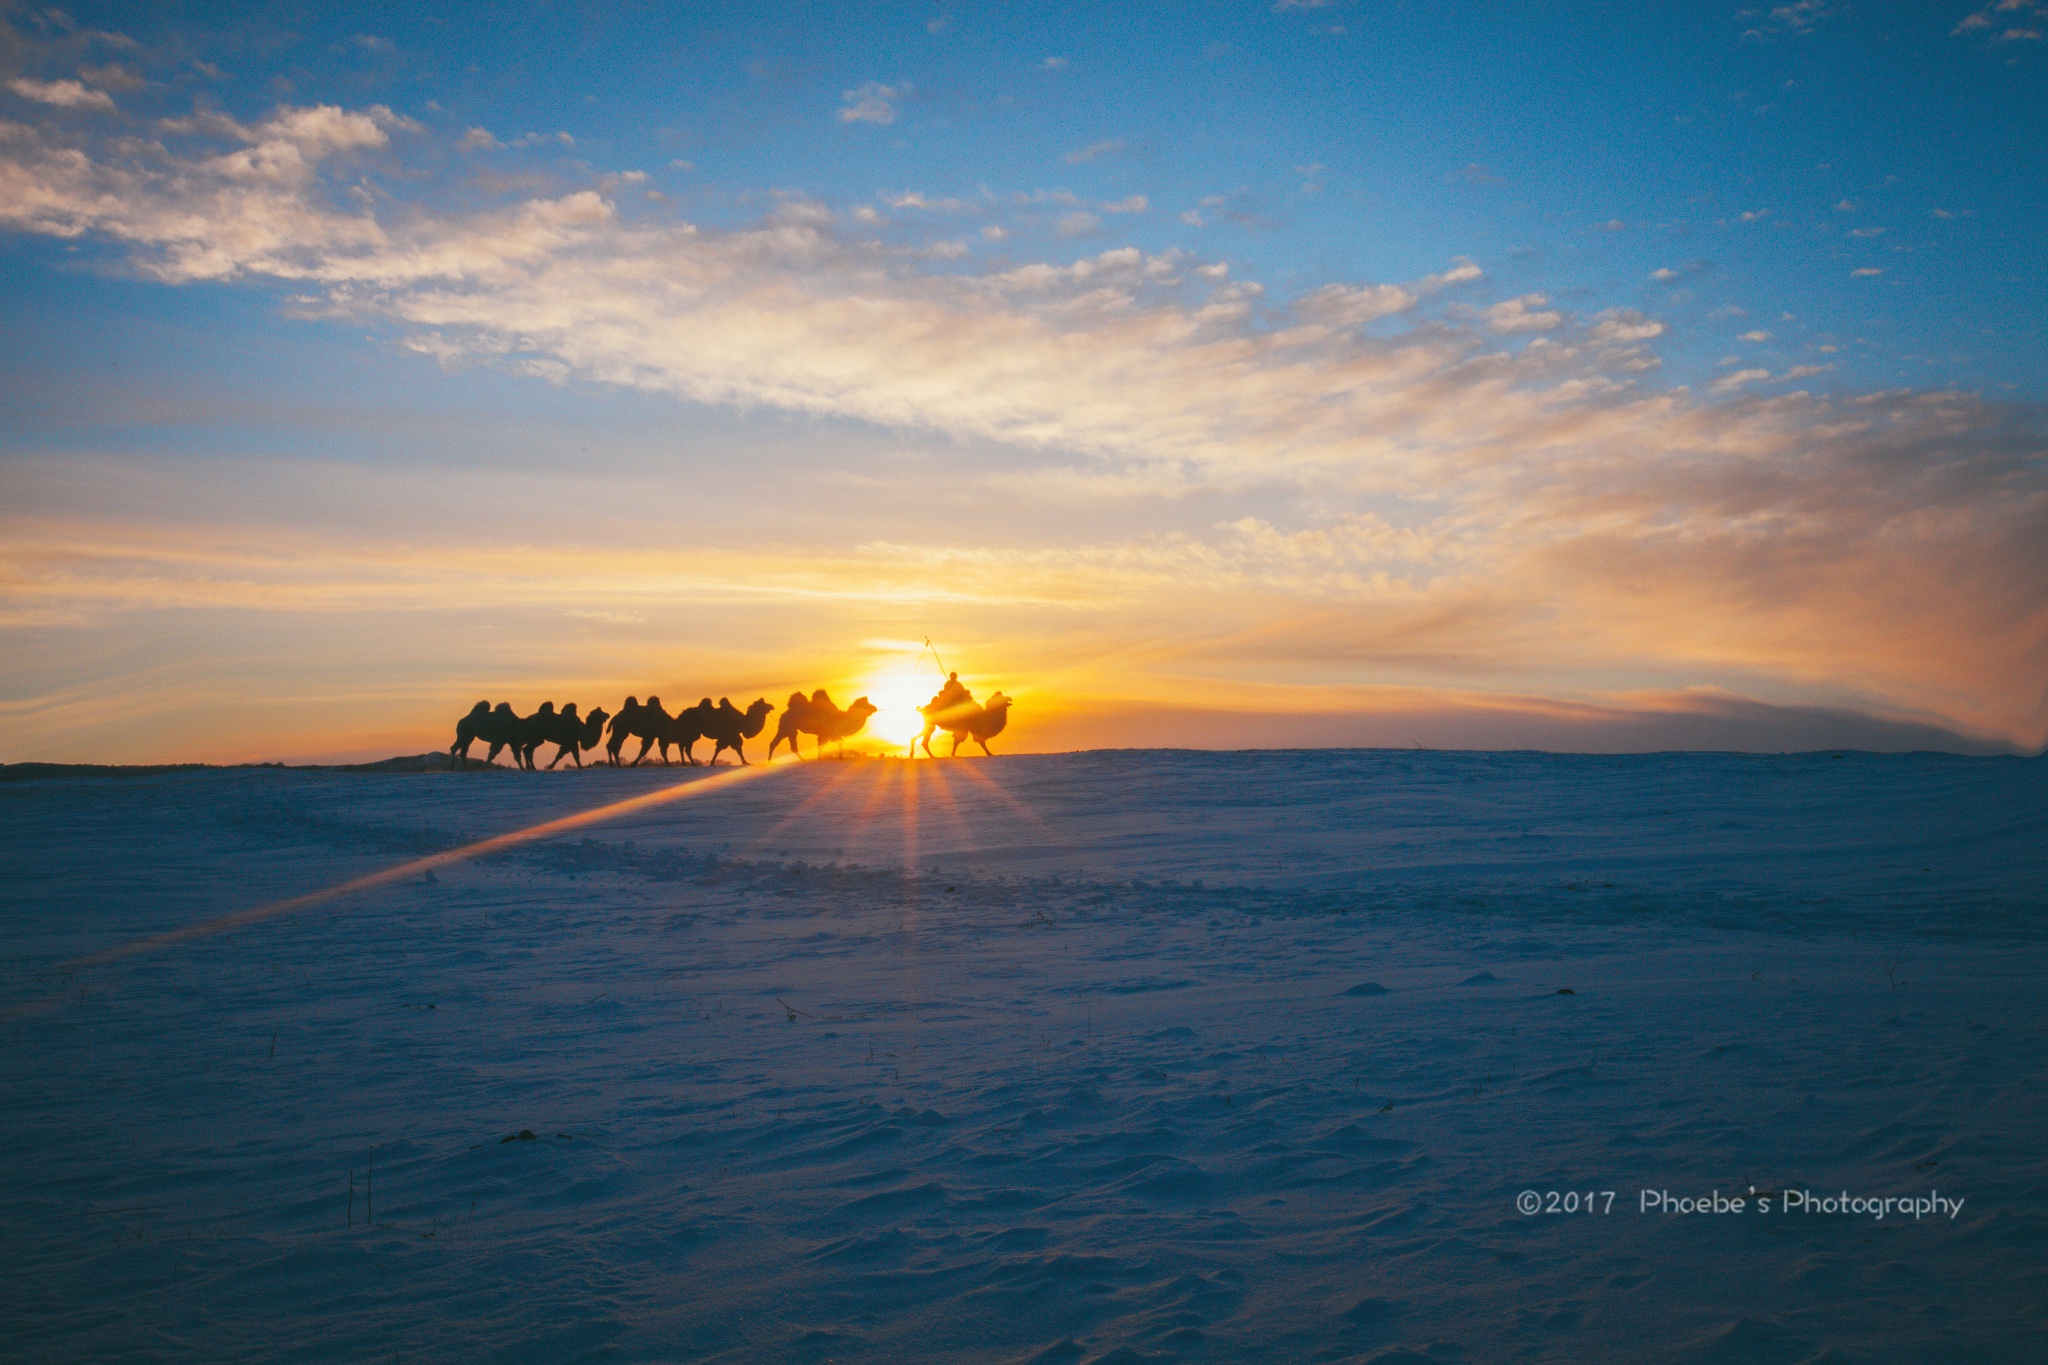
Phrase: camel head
(593, 726)
(862, 708)
(996, 702)
(757, 716)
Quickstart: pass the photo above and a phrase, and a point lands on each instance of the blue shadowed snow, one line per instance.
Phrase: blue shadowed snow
(1037, 1058)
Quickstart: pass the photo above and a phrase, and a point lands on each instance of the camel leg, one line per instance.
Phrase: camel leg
(492, 756)
(645, 745)
(984, 746)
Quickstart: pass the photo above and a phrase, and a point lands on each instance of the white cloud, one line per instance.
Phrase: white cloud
(2001, 22)
(1728, 383)
(1136, 203)
(1800, 16)
(112, 77)
(1664, 274)
(63, 94)
(872, 102)
(1548, 499)
(1523, 314)
(1094, 151)
(478, 140)
(1758, 335)
(1054, 63)
(1866, 270)
(1078, 224)
(912, 199)
(1348, 305)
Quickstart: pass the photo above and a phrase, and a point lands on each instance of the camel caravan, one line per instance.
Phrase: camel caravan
(953, 710)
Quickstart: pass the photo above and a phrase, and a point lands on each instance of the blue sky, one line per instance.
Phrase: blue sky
(1571, 151)
(1425, 328)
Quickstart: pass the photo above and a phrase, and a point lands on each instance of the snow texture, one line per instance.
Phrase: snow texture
(1116, 1056)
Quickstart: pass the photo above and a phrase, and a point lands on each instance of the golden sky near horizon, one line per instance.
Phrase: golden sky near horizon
(320, 428)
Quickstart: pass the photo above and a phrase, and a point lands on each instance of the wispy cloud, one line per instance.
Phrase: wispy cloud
(2006, 21)
(63, 94)
(1349, 305)
(872, 102)
(1095, 151)
(1524, 314)
(1888, 548)
(1798, 17)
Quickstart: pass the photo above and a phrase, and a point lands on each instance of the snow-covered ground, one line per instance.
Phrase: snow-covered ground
(1127, 1056)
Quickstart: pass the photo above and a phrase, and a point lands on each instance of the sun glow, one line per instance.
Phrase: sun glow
(897, 694)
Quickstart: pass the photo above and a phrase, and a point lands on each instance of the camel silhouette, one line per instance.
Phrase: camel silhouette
(728, 727)
(572, 734)
(622, 726)
(532, 733)
(964, 721)
(495, 726)
(639, 720)
(683, 730)
(817, 715)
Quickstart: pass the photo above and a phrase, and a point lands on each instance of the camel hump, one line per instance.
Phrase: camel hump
(821, 697)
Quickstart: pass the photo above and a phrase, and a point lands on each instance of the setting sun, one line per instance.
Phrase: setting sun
(897, 694)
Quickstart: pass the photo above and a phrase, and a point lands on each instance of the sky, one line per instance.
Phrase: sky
(1221, 375)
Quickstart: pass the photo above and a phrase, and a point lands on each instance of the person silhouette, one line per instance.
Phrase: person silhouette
(953, 694)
